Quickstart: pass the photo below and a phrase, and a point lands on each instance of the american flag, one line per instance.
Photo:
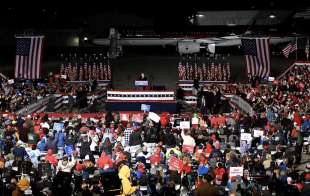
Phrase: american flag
(307, 49)
(287, 50)
(89, 72)
(81, 73)
(256, 51)
(195, 71)
(101, 71)
(191, 72)
(28, 60)
(204, 69)
(200, 73)
(105, 72)
(85, 71)
(180, 71)
(187, 71)
(228, 70)
(109, 72)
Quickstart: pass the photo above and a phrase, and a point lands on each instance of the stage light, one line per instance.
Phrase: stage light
(272, 16)
(200, 15)
(85, 38)
(231, 24)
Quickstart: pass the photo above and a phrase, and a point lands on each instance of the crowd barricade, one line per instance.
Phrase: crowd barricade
(59, 101)
(39, 105)
(102, 83)
(242, 104)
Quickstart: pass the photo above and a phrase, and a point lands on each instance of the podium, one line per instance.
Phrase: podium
(141, 84)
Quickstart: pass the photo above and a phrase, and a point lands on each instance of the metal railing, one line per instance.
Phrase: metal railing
(29, 109)
(242, 104)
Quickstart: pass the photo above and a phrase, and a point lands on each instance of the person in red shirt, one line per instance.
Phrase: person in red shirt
(219, 173)
(186, 167)
(104, 162)
(208, 149)
(164, 119)
(297, 118)
(49, 158)
(156, 158)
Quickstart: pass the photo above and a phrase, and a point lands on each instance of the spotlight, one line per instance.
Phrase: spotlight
(272, 16)
(200, 15)
(85, 38)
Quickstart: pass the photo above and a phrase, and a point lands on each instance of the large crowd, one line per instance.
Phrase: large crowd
(169, 154)
(17, 94)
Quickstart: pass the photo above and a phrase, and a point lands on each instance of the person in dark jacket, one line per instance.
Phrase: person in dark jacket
(51, 142)
(61, 139)
(19, 152)
(135, 138)
(70, 139)
(150, 135)
(107, 147)
(206, 188)
(85, 147)
(23, 133)
(169, 139)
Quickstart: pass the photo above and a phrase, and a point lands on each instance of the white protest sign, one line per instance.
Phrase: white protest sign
(235, 171)
(58, 126)
(246, 136)
(184, 124)
(271, 79)
(154, 117)
(145, 107)
(11, 81)
(195, 121)
(258, 133)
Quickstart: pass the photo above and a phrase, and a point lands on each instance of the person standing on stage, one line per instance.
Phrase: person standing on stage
(142, 77)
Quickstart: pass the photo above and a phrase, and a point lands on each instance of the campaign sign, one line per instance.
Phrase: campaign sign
(184, 124)
(187, 149)
(258, 133)
(124, 117)
(246, 136)
(195, 121)
(235, 171)
(11, 81)
(69, 150)
(58, 126)
(154, 117)
(145, 107)
(138, 117)
(175, 163)
(141, 83)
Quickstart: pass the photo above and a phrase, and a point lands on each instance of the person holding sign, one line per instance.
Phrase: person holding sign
(188, 140)
(65, 165)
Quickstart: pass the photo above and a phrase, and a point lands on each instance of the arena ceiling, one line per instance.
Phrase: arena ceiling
(95, 15)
